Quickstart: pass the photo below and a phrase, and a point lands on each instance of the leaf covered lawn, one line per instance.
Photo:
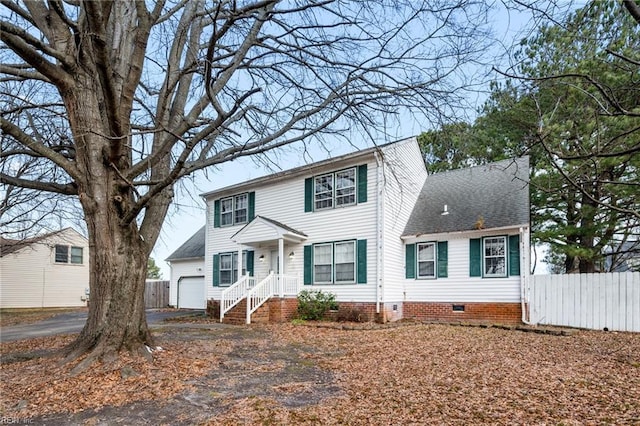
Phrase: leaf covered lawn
(414, 374)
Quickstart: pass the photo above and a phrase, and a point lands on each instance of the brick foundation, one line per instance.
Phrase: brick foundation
(282, 309)
(275, 310)
(355, 312)
(504, 313)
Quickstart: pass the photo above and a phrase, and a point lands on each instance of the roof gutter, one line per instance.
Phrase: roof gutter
(467, 231)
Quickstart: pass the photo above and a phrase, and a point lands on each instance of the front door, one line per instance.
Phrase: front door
(275, 261)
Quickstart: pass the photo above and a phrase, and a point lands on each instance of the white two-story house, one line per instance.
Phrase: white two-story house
(373, 228)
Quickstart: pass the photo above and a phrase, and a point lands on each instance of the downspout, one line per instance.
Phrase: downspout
(524, 275)
(379, 233)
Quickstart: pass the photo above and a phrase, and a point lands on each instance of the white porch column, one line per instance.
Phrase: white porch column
(239, 261)
(280, 265)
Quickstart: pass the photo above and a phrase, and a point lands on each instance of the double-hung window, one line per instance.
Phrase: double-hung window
(426, 260)
(334, 262)
(241, 204)
(323, 264)
(324, 192)
(345, 261)
(234, 210)
(68, 254)
(229, 267)
(346, 187)
(495, 257)
(335, 189)
(226, 211)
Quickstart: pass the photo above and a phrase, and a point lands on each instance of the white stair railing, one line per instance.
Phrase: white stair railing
(232, 295)
(260, 293)
(290, 285)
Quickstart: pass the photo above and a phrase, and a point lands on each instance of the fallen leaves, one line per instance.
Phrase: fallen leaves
(413, 374)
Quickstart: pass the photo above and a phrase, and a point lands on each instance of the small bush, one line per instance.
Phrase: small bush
(352, 315)
(312, 305)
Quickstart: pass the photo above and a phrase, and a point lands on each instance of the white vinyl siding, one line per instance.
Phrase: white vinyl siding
(458, 286)
(404, 176)
(31, 277)
(284, 201)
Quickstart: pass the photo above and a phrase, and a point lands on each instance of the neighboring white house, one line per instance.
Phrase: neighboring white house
(374, 229)
(187, 289)
(51, 270)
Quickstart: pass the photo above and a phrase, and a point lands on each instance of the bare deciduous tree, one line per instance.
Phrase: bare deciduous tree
(116, 103)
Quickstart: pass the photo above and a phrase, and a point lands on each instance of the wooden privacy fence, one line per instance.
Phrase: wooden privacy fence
(156, 294)
(593, 301)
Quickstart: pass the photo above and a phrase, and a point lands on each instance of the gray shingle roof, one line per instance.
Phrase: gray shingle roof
(283, 226)
(493, 195)
(192, 248)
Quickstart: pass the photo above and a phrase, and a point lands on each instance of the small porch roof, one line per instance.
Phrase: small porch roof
(262, 230)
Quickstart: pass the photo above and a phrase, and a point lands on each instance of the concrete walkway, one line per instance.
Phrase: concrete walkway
(72, 322)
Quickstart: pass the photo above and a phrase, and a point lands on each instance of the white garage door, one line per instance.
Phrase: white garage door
(191, 293)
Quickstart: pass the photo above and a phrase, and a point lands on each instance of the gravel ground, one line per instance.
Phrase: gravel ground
(288, 374)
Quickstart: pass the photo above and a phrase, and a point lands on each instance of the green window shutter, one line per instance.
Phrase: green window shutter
(362, 183)
(362, 261)
(308, 265)
(216, 270)
(216, 214)
(308, 195)
(410, 261)
(249, 255)
(475, 257)
(514, 255)
(443, 258)
(252, 206)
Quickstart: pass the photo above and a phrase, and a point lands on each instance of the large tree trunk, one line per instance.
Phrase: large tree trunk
(118, 251)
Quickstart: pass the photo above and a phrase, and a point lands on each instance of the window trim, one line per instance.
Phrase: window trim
(505, 256)
(234, 209)
(354, 187)
(334, 190)
(316, 193)
(332, 264)
(434, 244)
(69, 255)
(334, 281)
(355, 262)
(234, 266)
(222, 214)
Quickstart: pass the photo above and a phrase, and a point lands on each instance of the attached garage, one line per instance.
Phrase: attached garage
(187, 290)
(191, 293)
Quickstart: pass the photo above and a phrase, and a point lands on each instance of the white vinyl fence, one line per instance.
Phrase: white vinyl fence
(593, 301)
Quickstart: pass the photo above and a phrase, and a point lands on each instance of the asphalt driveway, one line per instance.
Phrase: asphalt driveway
(72, 322)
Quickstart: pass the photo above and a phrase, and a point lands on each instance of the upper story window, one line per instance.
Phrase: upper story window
(68, 254)
(234, 210)
(346, 187)
(323, 192)
(495, 257)
(337, 189)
